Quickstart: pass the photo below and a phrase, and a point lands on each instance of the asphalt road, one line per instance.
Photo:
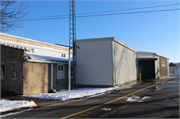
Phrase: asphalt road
(164, 102)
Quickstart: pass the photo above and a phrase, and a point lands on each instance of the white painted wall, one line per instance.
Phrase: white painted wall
(94, 62)
(124, 64)
(157, 67)
(45, 51)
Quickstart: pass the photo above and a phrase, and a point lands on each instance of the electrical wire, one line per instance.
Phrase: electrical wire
(57, 16)
(130, 13)
(107, 14)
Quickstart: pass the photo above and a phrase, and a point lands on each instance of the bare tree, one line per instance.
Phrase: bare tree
(11, 13)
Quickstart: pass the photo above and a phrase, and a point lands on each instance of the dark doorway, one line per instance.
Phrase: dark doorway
(147, 69)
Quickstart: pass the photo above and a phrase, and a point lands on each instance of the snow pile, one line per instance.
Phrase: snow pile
(7, 105)
(133, 98)
(106, 109)
(145, 97)
(75, 93)
(10, 105)
(137, 98)
(13, 113)
(46, 58)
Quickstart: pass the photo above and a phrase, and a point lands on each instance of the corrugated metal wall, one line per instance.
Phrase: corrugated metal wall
(124, 64)
(94, 62)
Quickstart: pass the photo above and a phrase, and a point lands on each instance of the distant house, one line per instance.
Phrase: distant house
(31, 67)
(174, 69)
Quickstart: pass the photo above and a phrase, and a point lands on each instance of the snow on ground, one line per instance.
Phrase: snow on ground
(174, 75)
(13, 113)
(61, 95)
(75, 93)
(7, 105)
(137, 98)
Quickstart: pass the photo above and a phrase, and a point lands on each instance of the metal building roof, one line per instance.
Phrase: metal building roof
(106, 38)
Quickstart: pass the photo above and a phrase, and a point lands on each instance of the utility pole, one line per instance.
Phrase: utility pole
(72, 40)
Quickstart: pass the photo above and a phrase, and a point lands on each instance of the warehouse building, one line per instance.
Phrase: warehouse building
(31, 67)
(105, 62)
(152, 66)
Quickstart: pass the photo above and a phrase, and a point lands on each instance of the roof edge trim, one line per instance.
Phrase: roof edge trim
(123, 44)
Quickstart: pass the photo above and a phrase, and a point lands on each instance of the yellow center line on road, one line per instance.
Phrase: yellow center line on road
(110, 102)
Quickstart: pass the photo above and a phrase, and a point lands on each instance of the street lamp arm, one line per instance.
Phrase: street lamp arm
(75, 47)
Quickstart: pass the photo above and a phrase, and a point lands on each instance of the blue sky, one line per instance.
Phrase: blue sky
(151, 32)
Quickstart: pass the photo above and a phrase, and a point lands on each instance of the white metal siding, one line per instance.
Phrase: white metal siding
(124, 64)
(94, 62)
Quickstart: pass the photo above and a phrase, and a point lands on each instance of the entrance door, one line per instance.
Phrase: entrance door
(147, 70)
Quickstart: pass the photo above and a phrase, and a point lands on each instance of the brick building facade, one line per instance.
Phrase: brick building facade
(25, 76)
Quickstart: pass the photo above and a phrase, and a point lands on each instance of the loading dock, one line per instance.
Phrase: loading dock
(151, 66)
(147, 69)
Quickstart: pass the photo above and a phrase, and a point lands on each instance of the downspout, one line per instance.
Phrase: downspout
(52, 79)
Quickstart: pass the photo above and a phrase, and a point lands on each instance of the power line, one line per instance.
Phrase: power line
(130, 9)
(130, 13)
(106, 14)
(65, 16)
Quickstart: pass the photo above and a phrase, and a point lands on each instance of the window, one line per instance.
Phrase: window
(63, 55)
(60, 71)
(28, 49)
(2, 71)
(14, 70)
(32, 50)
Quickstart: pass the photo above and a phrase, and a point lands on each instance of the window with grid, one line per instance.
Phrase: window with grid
(60, 71)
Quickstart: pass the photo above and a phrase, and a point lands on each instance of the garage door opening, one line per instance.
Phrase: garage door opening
(147, 69)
